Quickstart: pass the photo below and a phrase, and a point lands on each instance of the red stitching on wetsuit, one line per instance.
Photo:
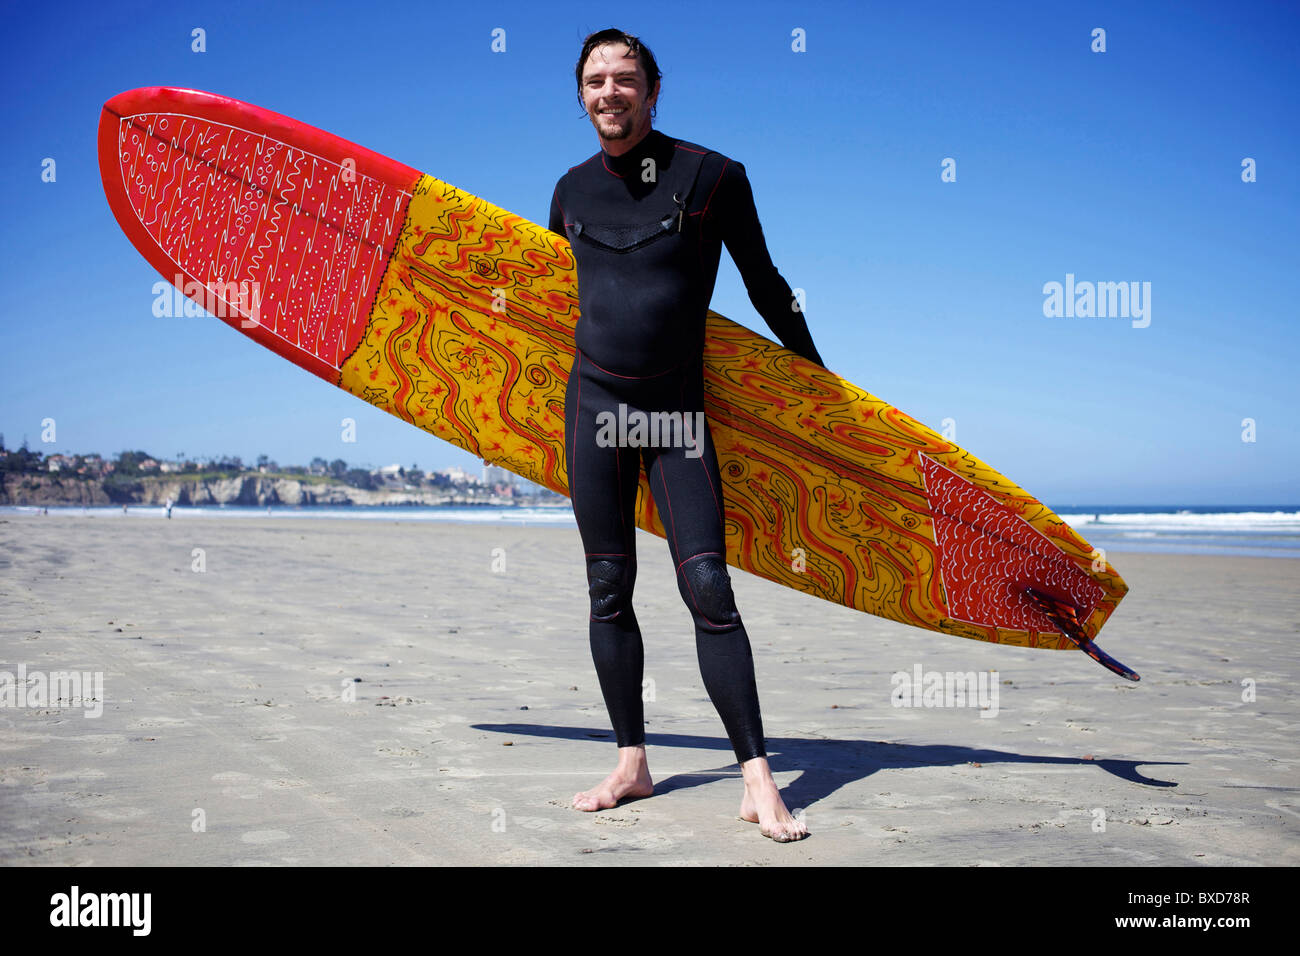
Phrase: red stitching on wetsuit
(708, 620)
(606, 165)
(669, 498)
(637, 378)
(716, 503)
(700, 555)
(573, 464)
(626, 570)
(708, 202)
(618, 491)
(699, 440)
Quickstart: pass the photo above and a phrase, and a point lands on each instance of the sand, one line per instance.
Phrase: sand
(334, 692)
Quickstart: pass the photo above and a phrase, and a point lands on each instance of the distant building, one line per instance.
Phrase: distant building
(496, 475)
(458, 476)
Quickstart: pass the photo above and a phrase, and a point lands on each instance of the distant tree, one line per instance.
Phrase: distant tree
(338, 468)
(319, 466)
(22, 460)
(360, 478)
(128, 462)
(262, 461)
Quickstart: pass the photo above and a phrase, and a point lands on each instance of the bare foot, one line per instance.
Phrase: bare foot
(762, 804)
(631, 778)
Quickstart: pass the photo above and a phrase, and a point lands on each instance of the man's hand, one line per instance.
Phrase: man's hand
(812, 356)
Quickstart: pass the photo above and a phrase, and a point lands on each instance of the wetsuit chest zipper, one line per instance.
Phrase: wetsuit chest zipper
(625, 238)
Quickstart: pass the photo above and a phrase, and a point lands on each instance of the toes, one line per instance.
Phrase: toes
(785, 832)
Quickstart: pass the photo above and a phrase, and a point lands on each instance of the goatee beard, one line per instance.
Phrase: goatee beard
(620, 130)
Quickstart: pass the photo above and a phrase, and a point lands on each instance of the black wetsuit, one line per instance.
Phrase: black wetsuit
(647, 230)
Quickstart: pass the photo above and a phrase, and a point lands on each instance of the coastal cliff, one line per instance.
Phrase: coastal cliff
(250, 490)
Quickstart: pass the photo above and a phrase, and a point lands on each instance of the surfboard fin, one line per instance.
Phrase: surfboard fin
(1063, 616)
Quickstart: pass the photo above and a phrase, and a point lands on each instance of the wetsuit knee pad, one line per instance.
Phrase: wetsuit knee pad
(706, 588)
(609, 583)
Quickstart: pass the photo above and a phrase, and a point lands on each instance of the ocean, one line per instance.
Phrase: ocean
(1261, 531)
(1266, 531)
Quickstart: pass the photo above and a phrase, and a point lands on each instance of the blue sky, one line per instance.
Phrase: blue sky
(1115, 166)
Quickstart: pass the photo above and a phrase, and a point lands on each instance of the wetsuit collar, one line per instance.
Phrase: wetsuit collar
(630, 162)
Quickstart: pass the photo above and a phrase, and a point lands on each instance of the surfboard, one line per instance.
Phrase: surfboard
(458, 317)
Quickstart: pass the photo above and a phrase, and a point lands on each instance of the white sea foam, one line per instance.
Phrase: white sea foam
(1222, 520)
(1263, 533)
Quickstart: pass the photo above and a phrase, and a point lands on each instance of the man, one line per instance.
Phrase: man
(647, 217)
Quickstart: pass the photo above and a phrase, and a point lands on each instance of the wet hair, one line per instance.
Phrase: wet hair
(635, 48)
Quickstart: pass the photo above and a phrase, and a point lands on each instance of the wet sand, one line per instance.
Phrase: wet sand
(342, 692)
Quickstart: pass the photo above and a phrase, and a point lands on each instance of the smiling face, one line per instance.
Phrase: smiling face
(614, 92)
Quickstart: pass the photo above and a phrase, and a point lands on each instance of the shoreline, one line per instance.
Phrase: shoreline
(1231, 535)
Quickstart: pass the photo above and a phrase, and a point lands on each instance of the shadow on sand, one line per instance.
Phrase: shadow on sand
(827, 765)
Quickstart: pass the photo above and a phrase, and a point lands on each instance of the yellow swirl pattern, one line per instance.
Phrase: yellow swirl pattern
(471, 339)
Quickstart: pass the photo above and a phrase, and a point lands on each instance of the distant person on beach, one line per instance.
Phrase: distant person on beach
(647, 217)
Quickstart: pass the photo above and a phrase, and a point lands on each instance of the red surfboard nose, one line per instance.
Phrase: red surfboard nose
(283, 233)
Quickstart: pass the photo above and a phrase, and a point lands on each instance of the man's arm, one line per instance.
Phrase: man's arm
(769, 293)
(557, 214)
